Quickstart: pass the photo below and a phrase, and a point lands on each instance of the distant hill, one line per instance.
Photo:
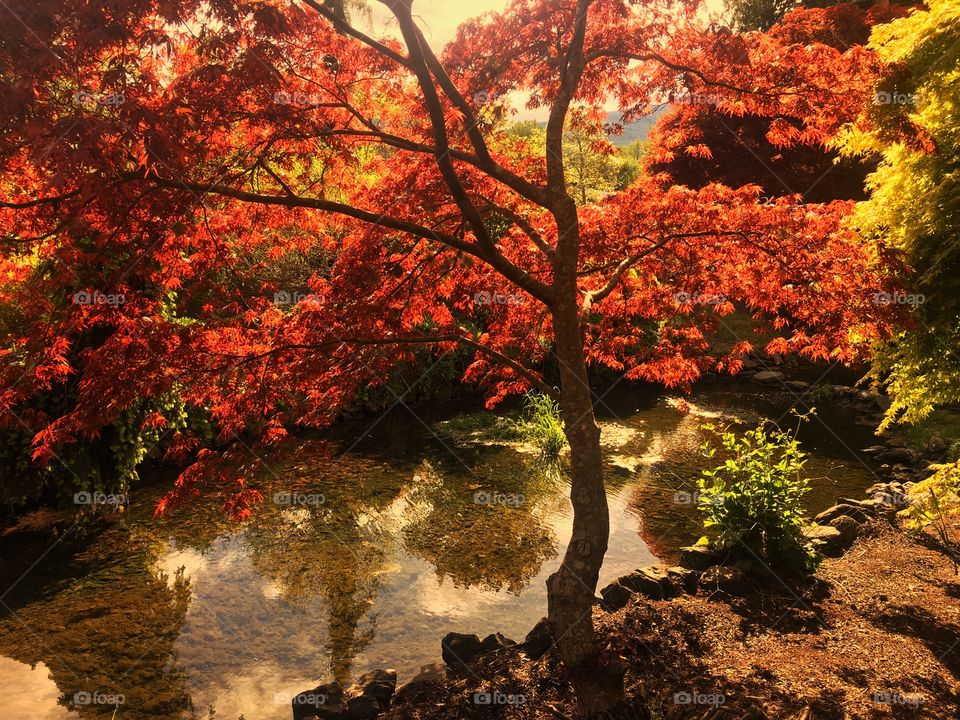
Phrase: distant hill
(637, 130)
(634, 131)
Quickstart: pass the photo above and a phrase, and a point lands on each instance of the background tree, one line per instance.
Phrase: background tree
(698, 142)
(757, 14)
(152, 152)
(913, 126)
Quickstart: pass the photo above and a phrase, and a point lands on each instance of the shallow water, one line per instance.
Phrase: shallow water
(402, 530)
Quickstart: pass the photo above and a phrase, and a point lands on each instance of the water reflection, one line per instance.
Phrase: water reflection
(384, 549)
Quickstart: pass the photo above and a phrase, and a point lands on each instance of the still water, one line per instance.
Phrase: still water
(372, 543)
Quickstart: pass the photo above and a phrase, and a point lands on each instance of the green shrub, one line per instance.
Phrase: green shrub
(753, 501)
(935, 504)
(540, 424)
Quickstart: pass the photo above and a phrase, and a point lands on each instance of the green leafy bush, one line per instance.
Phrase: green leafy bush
(753, 501)
(540, 424)
(935, 504)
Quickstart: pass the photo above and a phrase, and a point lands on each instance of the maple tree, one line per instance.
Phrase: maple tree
(168, 166)
(697, 142)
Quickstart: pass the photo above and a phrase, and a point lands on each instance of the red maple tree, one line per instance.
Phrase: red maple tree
(163, 158)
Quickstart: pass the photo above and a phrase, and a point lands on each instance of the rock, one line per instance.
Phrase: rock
(798, 385)
(683, 579)
(363, 707)
(698, 557)
(851, 510)
(848, 528)
(615, 596)
(749, 363)
(323, 701)
(826, 538)
(936, 446)
(845, 390)
(900, 455)
(872, 506)
(379, 685)
(875, 450)
(539, 640)
(725, 578)
(495, 641)
(768, 377)
(458, 648)
(651, 581)
(888, 495)
(429, 675)
(887, 504)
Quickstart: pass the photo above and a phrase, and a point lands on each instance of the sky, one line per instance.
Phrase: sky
(439, 20)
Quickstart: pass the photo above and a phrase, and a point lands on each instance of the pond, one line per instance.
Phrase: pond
(373, 542)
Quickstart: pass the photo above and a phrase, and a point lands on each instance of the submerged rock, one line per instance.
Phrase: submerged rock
(768, 377)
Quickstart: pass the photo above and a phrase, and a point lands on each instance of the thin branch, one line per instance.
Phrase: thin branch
(347, 29)
(493, 257)
(570, 74)
(26, 204)
(517, 367)
(592, 297)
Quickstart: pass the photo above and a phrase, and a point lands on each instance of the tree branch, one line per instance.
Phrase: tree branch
(592, 297)
(517, 367)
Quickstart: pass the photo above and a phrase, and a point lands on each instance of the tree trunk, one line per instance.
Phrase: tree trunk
(571, 590)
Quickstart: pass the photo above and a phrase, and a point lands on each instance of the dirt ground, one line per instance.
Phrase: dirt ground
(875, 634)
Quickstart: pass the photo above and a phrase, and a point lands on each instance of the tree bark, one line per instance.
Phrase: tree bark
(571, 590)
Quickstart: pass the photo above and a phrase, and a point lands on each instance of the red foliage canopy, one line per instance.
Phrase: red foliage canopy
(162, 159)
